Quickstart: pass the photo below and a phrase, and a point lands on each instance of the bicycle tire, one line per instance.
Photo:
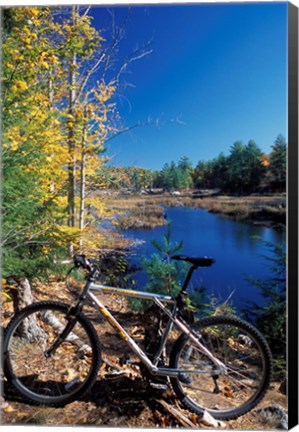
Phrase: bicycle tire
(57, 380)
(246, 355)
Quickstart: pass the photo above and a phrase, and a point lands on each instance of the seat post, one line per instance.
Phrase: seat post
(188, 277)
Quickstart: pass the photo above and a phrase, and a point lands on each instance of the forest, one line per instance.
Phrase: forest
(60, 81)
(60, 78)
(245, 170)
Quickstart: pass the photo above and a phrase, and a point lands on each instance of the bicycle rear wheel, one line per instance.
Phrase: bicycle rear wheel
(68, 373)
(246, 356)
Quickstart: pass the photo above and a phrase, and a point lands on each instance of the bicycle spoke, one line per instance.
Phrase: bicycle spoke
(244, 379)
(64, 373)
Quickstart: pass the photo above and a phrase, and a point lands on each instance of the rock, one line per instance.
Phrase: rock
(178, 204)
(276, 415)
(208, 420)
(3, 403)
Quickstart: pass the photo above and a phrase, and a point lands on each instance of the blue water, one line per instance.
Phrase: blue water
(232, 244)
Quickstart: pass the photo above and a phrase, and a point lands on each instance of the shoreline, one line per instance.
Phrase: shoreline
(146, 211)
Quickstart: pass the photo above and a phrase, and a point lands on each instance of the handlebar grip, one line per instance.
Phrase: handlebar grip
(90, 265)
(80, 261)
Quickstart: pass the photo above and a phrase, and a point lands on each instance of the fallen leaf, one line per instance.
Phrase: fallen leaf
(9, 408)
(194, 419)
(228, 392)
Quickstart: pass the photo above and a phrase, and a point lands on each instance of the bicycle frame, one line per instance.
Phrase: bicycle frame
(159, 300)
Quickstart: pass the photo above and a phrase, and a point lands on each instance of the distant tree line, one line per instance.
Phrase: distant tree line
(175, 176)
(134, 178)
(246, 169)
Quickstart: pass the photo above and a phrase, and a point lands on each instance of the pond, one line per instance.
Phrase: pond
(233, 245)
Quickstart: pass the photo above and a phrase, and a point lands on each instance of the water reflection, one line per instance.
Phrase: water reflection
(234, 245)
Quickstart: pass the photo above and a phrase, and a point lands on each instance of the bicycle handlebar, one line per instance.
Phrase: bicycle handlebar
(88, 264)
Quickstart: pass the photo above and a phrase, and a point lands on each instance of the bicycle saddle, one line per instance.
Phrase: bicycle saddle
(196, 262)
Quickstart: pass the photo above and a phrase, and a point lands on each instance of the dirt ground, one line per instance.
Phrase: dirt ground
(124, 399)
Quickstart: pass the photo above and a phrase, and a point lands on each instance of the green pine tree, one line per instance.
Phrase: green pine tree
(270, 318)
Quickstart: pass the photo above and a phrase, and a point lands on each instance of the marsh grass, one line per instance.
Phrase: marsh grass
(264, 208)
(148, 211)
(146, 217)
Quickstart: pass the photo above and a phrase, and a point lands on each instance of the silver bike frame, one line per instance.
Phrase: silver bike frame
(159, 300)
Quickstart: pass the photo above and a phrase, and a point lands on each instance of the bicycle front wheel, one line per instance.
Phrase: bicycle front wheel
(244, 353)
(64, 375)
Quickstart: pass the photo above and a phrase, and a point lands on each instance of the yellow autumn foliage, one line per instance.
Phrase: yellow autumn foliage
(37, 121)
(33, 12)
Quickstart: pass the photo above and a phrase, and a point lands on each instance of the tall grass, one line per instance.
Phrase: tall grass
(147, 211)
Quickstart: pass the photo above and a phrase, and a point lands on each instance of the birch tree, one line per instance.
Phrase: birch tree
(90, 113)
(60, 79)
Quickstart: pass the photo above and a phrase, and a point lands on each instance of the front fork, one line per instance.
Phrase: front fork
(72, 315)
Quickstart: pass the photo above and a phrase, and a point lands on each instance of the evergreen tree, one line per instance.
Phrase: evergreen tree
(278, 163)
(185, 172)
(199, 175)
(219, 174)
(33, 152)
(165, 178)
(254, 170)
(163, 273)
(175, 176)
(271, 317)
(236, 167)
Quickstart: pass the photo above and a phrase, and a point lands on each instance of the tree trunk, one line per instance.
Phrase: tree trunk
(51, 101)
(21, 292)
(71, 146)
(71, 130)
(83, 182)
(22, 297)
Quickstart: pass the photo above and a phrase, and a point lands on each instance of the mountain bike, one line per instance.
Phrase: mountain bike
(221, 364)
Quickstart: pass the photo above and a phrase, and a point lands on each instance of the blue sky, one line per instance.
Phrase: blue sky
(220, 68)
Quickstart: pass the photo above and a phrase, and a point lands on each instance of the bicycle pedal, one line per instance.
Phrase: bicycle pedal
(115, 374)
(125, 359)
